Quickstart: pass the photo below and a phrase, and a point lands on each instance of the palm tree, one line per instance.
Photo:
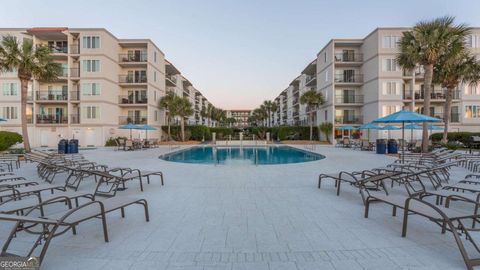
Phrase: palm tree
(455, 67)
(326, 127)
(268, 106)
(312, 99)
(29, 62)
(209, 113)
(167, 103)
(182, 108)
(425, 45)
(274, 109)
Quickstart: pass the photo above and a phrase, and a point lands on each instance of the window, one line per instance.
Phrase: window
(472, 111)
(389, 109)
(471, 89)
(325, 57)
(91, 42)
(390, 42)
(326, 75)
(155, 95)
(9, 113)
(326, 115)
(154, 76)
(472, 41)
(10, 89)
(91, 65)
(390, 64)
(91, 112)
(156, 115)
(90, 89)
(155, 57)
(391, 88)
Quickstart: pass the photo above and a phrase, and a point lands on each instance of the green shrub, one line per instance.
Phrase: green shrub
(111, 141)
(463, 137)
(293, 133)
(199, 132)
(7, 139)
(196, 132)
(222, 132)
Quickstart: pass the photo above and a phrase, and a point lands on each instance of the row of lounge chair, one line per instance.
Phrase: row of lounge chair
(25, 201)
(422, 177)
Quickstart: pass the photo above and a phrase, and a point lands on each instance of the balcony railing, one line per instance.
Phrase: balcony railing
(348, 57)
(132, 79)
(61, 49)
(74, 72)
(75, 118)
(132, 58)
(55, 95)
(75, 49)
(349, 99)
(51, 119)
(454, 117)
(343, 78)
(63, 72)
(132, 100)
(75, 95)
(123, 120)
(436, 95)
(354, 119)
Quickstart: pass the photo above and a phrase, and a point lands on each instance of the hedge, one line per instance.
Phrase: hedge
(7, 139)
(221, 132)
(463, 137)
(196, 132)
(111, 141)
(293, 132)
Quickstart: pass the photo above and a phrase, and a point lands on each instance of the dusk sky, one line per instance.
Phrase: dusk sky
(237, 53)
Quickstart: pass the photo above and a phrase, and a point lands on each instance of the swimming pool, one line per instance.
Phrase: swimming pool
(247, 155)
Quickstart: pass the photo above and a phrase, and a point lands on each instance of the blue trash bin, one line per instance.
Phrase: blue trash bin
(73, 146)
(63, 146)
(392, 146)
(381, 146)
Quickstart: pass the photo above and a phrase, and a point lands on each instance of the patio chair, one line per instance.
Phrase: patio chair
(346, 142)
(127, 174)
(59, 223)
(129, 145)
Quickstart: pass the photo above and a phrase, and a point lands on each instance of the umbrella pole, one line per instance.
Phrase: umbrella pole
(130, 134)
(403, 142)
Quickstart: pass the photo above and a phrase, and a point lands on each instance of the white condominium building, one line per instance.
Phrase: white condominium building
(361, 80)
(240, 116)
(105, 82)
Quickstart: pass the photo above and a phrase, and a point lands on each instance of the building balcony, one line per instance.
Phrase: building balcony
(132, 100)
(123, 120)
(55, 95)
(75, 49)
(74, 95)
(133, 58)
(435, 95)
(454, 117)
(51, 119)
(355, 119)
(343, 78)
(63, 72)
(132, 79)
(58, 50)
(75, 72)
(348, 57)
(75, 118)
(349, 99)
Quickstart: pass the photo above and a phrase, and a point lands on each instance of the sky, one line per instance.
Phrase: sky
(238, 53)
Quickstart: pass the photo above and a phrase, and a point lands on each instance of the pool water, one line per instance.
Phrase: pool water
(247, 155)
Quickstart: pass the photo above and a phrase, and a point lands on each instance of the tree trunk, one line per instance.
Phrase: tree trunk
(23, 108)
(182, 125)
(446, 114)
(426, 103)
(311, 126)
(168, 124)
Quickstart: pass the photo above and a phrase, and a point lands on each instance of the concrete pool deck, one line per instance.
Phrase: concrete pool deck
(248, 217)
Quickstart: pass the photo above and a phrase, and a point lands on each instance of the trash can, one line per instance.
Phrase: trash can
(392, 146)
(63, 146)
(73, 146)
(381, 146)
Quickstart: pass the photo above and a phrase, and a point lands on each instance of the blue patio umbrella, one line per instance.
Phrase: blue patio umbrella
(432, 127)
(2, 120)
(369, 126)
(390, 127)
(408, 117)
(146, 128)
(347, 127)
(129, 126)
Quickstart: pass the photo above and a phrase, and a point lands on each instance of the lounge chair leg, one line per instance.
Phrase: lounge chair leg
(148, 179)
(367, 207)
(319, 182)
(338, 188)
(474, 219)
(444, 227)
(394, 211)
(141, 184)
(122, 210)
(161, 178)
(104, 224)
(74, 230)
(405, 223)
(145, 206)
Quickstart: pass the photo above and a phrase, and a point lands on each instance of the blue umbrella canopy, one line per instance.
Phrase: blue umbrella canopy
(389, 127)
(406, 116)
(129, 126)
(413, 126)
(369, 126)
(347, 127)
(146, 127)
(432, 127)
(2, 120)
